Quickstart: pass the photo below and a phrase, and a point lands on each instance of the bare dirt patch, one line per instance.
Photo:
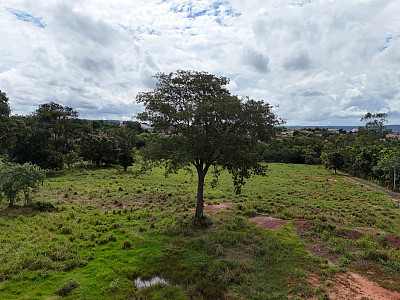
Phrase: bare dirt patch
(269, 222)
(350, 234)
(349, 180)
(218, 207)
(322, 250)
(356, 287)
(393, 240)
(303, 226)
(370, 230)
(349, 286)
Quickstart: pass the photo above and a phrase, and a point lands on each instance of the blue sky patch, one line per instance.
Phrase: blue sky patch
(27, 17)
(301, 3)
(388, 39)
(138, 32)
(216, 9)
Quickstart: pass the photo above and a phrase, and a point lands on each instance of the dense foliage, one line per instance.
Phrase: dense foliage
(53, 137)
(195, 111)
(17, 180)
(367, 153)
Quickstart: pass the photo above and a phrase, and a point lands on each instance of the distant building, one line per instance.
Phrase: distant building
(285, 133)
(146, 126)
(393, 135)
(333, 130)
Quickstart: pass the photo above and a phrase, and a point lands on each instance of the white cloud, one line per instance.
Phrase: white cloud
(320, 61)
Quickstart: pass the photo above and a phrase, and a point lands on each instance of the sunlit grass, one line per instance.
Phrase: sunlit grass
(111, 227)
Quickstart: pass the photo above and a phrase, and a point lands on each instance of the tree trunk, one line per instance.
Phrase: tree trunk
(11, 200)
(200, 200)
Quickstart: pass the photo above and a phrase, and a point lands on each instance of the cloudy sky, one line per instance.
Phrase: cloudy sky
(320, 62)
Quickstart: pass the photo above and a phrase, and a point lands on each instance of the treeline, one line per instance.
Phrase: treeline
(367, 153)
(53, 137)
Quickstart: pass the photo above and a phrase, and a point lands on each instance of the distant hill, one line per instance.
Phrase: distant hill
(395, 128)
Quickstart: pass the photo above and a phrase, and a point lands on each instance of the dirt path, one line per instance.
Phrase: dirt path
(379, 188)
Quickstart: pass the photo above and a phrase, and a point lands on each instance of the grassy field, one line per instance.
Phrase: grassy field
(108, 228)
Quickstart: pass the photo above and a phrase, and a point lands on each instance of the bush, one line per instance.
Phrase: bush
(42, 206)
(67, 288)
(16, 179)
(126, 245)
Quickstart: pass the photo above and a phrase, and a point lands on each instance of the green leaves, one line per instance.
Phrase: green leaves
(16, 179)
(204, 125)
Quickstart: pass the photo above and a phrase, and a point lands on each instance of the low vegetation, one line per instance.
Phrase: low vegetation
(93, 231)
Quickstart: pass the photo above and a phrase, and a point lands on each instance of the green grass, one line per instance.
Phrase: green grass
(110, 227)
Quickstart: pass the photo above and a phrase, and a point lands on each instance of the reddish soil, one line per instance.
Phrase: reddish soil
(350, 234)
(303, 225)
(347, 179)
(269, 222)
(393, 240)
(322, 250)
(218, 207)
(352, 286)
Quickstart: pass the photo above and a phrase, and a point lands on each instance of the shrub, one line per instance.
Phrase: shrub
(42, 206)
(16, 179)
(126, 245)
(67, 287)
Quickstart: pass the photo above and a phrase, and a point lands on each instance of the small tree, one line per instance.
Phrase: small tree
(16, 179)
(125, 142)
(205, 126)
(335, 161)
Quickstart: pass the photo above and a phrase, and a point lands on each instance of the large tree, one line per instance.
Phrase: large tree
(50, 134)
(205, 126)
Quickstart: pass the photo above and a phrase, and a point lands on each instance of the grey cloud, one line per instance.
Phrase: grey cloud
(257, 60)
(312, 93)
(109, 111)
(147, 80)
(305, 59)
(84, 25)
(80, 90)
(391, 94)
(96, 65)
(260, 28)
(301, 62)
(150, 62)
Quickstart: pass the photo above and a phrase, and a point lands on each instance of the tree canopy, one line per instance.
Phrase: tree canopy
(16, 179)
(4, 116)
(204, 126)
